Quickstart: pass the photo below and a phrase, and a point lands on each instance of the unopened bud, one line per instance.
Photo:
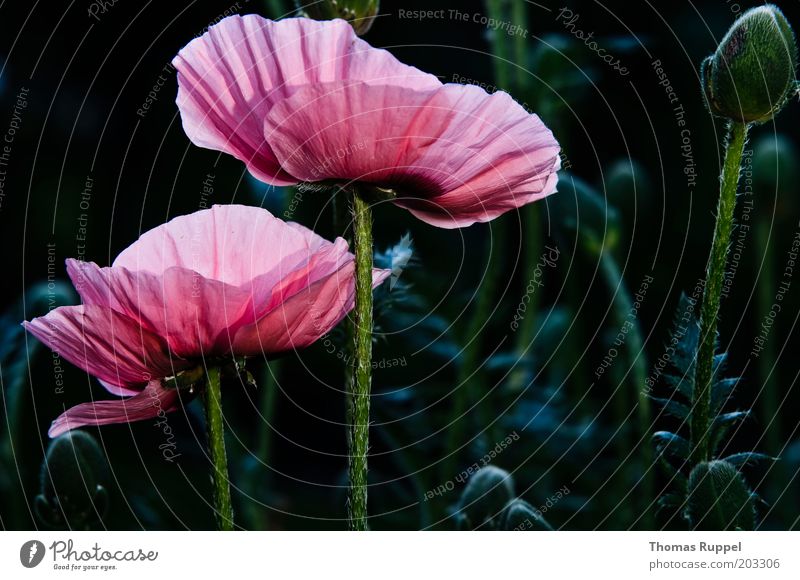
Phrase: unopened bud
(359, 13)
(484, 497)
(719, 498)
(752, 74)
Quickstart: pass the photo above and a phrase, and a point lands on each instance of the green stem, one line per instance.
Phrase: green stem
(498, 44)
(464, 395)
(532, 247)
(715, 274)
(362, 365)
(519, 16)
(767, 369)
(637, 367)
(216, 446)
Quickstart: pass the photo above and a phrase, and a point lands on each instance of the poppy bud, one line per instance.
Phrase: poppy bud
(73, 482)
(359, 13)
(751, 75)
(486, 494)
(719, 498)
(520, 516)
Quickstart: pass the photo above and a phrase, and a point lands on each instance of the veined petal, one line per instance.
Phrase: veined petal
(455, 154)
(230, 243)
(144, 405)
(229, 78)
(305, 317)
(106, 344)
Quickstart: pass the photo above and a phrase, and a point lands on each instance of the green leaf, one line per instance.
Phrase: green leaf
(723, 423)
(749, 458)
(672, 446)
(673, 408)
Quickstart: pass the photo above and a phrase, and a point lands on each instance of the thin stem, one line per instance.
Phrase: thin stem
(216, 447)
(715, 274)
(767, 369)
(637, 365)
(464, 395)
(362, 365)
(499, 45)
(519, 16)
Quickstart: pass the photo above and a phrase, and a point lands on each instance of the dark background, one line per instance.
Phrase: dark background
(86, 80)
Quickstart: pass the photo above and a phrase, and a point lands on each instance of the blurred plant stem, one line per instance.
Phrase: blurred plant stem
(359, 392)
(269, 393)
(465, 395)
(223, 506)
(636, 374)
(277, 9)
(709, 311)
(767, 367)
(531, 220)
(499, 46)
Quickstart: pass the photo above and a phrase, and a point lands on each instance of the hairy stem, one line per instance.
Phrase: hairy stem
(715, 275)
(359, 395)
(216, 446)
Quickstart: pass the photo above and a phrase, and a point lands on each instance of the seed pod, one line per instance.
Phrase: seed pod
(484, 498)
(359, 13)
(719, 499)
(73, 483)
(752, 74)
(520, 516)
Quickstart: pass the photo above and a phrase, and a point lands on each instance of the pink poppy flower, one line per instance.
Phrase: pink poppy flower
(226, 282)
(305, 101)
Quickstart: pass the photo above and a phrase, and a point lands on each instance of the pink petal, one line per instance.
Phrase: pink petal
(147, 404)
(230, 243)
(191, 313)
(457, 154)
(229, 78)
(106, 344)
(305, 317)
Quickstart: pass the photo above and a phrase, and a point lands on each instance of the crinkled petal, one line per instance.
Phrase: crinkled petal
(106, 344)
(229, 78)
(230, 243)
(190, 312)
(144, 405)
(305, 317)
(457, 154)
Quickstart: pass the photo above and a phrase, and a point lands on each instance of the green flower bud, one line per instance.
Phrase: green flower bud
(520, 516)
(484, 498)
(359, 13)
(719, 499)
(73, 482)
(751, 75)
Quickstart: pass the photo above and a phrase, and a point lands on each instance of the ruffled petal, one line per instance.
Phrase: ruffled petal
(305, 317)
(190, 312)
(106, 344)
(150, 402)
(456, 154)
(230, 243)
(229, 78)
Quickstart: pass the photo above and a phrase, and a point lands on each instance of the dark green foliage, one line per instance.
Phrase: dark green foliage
(719, 499)
(708, 495)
